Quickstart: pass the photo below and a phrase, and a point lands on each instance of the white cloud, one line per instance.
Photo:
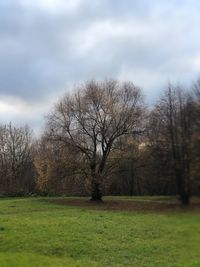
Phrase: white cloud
(145, 78)
(52, 6)
(109, 30)
(195, 63)
(6, 108)
(21, 113)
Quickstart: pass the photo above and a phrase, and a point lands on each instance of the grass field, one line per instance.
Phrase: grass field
(36, 232)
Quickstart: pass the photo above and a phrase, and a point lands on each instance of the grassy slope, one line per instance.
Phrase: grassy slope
(36, 233)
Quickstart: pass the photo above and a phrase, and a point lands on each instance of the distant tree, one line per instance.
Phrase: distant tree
(196, 137)
(58, 168)
(173, 123)
(16, 161)
(127, 160)
(158, 171)
(92, 119)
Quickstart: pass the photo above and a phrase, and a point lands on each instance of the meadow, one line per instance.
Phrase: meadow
(41, 232)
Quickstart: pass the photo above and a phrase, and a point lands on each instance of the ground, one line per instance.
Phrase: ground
(146, 232)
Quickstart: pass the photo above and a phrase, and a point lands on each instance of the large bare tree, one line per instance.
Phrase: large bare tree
(92, 119)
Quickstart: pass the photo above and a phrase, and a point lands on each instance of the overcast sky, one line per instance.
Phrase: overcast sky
(47, 46)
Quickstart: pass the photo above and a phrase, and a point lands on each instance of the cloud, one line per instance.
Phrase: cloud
(46, 46)
(23, 113)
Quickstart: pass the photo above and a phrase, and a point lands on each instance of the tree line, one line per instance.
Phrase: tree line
(102, 139)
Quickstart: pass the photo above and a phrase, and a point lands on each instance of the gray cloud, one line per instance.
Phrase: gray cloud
(48, 45)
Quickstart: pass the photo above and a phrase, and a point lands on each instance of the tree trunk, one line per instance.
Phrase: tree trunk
(96, 192)
(185, 198)
(183, 188)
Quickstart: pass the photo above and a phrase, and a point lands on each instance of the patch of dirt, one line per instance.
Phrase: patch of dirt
(130, 205)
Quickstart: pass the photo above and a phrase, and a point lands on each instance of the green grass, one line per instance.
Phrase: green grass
(36, 233)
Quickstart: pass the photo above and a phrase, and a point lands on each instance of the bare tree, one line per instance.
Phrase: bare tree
(127, 162)
(173, 121)
(58, 168)
(196, 136)
(92, 119)
(15, 156)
